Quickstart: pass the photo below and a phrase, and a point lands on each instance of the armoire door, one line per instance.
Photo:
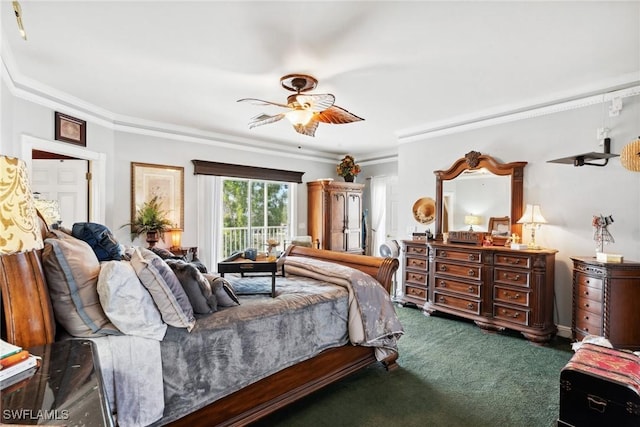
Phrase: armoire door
(337, 220)
(353, 221)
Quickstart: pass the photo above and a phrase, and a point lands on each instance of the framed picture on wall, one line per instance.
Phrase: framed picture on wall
(70, 129)
(161, 181)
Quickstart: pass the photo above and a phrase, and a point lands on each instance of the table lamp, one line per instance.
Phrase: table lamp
(19, 226)
(471, 220)
(532, 218)
(176, 238)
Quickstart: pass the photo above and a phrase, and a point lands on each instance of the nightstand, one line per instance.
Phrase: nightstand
(189, 252)
(67, 389)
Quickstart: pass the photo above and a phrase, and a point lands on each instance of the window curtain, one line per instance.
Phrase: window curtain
(209, 207)
(378, 213)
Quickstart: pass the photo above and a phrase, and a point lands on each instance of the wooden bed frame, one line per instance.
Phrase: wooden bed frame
(28, 321)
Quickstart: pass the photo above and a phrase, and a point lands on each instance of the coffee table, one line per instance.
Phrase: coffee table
(243, 265)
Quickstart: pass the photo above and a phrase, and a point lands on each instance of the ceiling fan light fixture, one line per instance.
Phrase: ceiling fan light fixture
(299, 116)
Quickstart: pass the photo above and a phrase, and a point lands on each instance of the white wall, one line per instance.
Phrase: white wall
(569, 196)
(150, 149)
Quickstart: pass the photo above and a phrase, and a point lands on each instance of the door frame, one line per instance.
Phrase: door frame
(97, 167)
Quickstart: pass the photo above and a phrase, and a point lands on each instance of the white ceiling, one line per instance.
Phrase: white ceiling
(405, 67)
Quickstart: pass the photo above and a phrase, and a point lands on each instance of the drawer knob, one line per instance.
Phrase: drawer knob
(443, 254)
(471, 290)
(586, 292)
(472, 257)
(471, 273)
(586, 317)
(443, 268)
(586, 304)
(441, 299)
(443, 284)
(470, 305)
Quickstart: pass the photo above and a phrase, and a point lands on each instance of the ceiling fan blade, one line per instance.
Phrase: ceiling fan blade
(336, 115)
(264, 119)
(255, 101)
(315, 103)
(309, 129)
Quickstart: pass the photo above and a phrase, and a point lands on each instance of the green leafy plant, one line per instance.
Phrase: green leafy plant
(150, 217)
(348, 166)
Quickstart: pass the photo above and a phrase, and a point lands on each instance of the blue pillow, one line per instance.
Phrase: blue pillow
(100, 238)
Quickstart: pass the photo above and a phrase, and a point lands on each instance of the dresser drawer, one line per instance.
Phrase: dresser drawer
(416, 250)
(459, 255)
(415, 292)
(587, 304)
(511, 260)
(584, 280)
(415, 277)
(418, 263)
(472, 272)
(588, 322)
(511, 296)
(470, 306)
(594, 294)
(511, 277)
(471, 289)
(511, 314)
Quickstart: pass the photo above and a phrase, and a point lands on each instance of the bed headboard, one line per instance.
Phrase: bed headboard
(27, 312)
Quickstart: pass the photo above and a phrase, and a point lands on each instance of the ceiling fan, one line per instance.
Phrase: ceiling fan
(304, 111)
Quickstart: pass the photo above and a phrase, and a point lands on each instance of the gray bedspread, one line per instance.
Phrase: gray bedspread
(236, 346)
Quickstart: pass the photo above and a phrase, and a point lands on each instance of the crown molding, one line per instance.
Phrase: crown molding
(37, 93)
(622, 87)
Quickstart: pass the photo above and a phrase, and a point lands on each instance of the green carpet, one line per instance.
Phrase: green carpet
(451, 373)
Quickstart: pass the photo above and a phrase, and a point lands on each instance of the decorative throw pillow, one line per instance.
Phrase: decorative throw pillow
(164, 287)
(127, 303)
(100, 238)
(72, 269)
(222, 289)
(195, 285)
(164, 253)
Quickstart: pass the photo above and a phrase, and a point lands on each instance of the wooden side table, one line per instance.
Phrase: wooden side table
(67, 389)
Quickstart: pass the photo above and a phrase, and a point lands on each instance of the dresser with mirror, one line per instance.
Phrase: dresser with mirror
(495, 286)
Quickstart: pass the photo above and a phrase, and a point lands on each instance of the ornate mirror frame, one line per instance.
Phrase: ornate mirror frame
(474, 160)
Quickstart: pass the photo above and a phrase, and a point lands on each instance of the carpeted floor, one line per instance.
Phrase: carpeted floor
(451, 373)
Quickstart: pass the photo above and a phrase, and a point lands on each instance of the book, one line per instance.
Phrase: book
(12, 370)
(7, 349)
(13, 359)
(8, 382)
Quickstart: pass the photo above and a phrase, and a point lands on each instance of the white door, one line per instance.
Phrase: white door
(65, 181)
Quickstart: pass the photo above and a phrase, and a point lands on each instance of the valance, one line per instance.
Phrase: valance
(204, 167)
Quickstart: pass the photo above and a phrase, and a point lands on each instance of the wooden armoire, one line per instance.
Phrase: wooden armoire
(334, 215)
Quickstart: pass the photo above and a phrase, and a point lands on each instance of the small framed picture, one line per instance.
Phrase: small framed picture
(70, 129)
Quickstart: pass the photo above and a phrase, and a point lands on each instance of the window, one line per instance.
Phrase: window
(253, 212)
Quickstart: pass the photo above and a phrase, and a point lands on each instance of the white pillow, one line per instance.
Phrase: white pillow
(127, 303)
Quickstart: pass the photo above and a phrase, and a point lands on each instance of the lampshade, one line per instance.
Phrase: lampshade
(299, 117)
(176, 238)
(50, 210)
(532, 215)
(19, 227)
(630, 156)
(471, 219)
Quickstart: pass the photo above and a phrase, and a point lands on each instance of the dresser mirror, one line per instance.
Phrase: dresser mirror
(476, 188)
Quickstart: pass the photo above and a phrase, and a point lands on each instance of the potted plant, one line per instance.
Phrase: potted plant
(150, 219)
(348, 168)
